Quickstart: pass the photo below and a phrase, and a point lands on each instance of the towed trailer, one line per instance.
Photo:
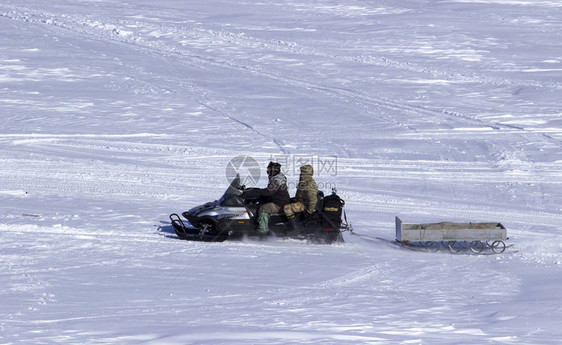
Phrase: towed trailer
(453, 236)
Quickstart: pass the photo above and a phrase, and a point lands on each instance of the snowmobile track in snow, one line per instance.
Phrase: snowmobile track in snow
(128, 32)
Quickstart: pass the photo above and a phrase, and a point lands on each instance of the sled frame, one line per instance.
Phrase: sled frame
(449, 231)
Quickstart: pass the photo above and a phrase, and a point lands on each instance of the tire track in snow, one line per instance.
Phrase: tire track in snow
(141, 34)
(80, 233)
(99, 29)
(85, 165)
(113, 30)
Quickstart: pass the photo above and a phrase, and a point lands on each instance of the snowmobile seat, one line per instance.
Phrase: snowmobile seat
(317, 209)
(315, 217)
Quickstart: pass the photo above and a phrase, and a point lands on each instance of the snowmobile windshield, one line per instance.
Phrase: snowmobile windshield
(234, 187)
(230, 196)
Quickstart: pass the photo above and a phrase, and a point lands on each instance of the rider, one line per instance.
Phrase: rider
(306, 197)
(276, 193)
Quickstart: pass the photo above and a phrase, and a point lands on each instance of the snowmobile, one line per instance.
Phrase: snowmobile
(233, 216)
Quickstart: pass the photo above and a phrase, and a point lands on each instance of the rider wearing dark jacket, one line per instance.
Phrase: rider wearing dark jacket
(276, 195)
(276, 190)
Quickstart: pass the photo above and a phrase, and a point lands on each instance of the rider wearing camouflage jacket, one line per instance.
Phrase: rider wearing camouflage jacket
(307, 194)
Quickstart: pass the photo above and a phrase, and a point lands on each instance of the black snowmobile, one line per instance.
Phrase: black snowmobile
(234, 217)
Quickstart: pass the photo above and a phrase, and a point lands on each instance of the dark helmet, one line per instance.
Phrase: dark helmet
(273, 168)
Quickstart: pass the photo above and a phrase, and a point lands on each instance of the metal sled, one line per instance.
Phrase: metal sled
(455, 236)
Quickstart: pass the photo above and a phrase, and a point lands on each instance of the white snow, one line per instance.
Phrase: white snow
(115, 114)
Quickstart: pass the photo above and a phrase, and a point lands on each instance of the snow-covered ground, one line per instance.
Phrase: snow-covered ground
(115, 114)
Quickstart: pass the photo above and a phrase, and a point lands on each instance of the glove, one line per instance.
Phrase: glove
(250, 194)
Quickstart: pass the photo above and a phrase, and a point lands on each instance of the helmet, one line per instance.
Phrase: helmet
(273, 168)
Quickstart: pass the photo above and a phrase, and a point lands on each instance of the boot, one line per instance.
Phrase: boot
(263, 223)
(293, 229)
